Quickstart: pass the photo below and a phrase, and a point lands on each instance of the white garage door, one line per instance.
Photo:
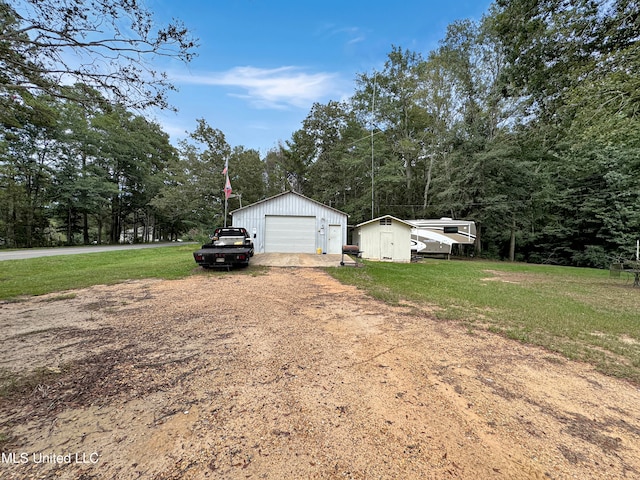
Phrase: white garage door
(290, 234)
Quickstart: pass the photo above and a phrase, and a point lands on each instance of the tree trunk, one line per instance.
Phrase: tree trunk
(11, 223)
(69, 227)
(29, 216)
(512, 242)
(85, 228)
(99, 221)
(478, 244)
(116, 220)
(85, 215)
(427, 185)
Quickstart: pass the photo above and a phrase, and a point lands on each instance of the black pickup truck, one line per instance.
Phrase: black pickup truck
(229, 247)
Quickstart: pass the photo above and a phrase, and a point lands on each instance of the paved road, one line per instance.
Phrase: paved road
(49, 252)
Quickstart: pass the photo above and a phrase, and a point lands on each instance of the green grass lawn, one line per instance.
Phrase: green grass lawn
(581, 313)
(38, 276)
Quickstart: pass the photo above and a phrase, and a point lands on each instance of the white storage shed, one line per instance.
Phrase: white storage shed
(292, 223)
(385, 238)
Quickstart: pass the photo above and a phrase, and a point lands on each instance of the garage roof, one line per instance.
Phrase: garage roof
(289, 193)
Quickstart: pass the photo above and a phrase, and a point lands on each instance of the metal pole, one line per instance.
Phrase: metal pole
(373, 107)
(225, 209)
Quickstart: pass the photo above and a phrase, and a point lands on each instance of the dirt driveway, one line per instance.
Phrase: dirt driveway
(290, 375)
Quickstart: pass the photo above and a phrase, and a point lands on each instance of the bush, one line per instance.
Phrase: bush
(592, 256)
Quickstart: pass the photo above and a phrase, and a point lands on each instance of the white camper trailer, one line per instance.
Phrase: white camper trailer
(437, 237)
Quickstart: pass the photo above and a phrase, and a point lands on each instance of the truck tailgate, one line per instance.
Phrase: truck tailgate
(211, 257)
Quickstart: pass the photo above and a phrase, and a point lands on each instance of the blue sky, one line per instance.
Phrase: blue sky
(263, 63)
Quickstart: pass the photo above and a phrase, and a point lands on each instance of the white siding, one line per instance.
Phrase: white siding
(253, 218)
(388, 242)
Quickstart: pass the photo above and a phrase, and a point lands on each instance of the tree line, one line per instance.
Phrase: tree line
(525, 122)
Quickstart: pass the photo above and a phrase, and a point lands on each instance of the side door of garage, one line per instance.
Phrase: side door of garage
(290, 234)
(335, 239)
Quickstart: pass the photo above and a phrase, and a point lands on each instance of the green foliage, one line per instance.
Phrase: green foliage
(39, 36)
(331, 145)
(526, 122)
(577, 62)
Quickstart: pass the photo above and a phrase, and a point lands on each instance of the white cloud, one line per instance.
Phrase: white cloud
(271, 88)
(173, 124)
(353, 35)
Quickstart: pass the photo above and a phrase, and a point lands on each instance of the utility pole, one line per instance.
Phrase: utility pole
(373, 107)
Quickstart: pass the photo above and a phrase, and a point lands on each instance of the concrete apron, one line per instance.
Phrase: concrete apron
(295, 260)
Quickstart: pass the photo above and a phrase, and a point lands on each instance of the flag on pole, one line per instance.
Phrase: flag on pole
(226, 166)
(227, 189)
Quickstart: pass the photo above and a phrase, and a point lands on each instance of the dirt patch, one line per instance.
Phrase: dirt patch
(291, 375)
(510, 277)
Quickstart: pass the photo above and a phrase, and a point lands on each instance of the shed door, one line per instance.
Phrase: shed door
(290, 234)
(386, 245)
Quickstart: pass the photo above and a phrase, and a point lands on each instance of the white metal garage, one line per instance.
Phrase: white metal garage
(290, 234)
(292, 223)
